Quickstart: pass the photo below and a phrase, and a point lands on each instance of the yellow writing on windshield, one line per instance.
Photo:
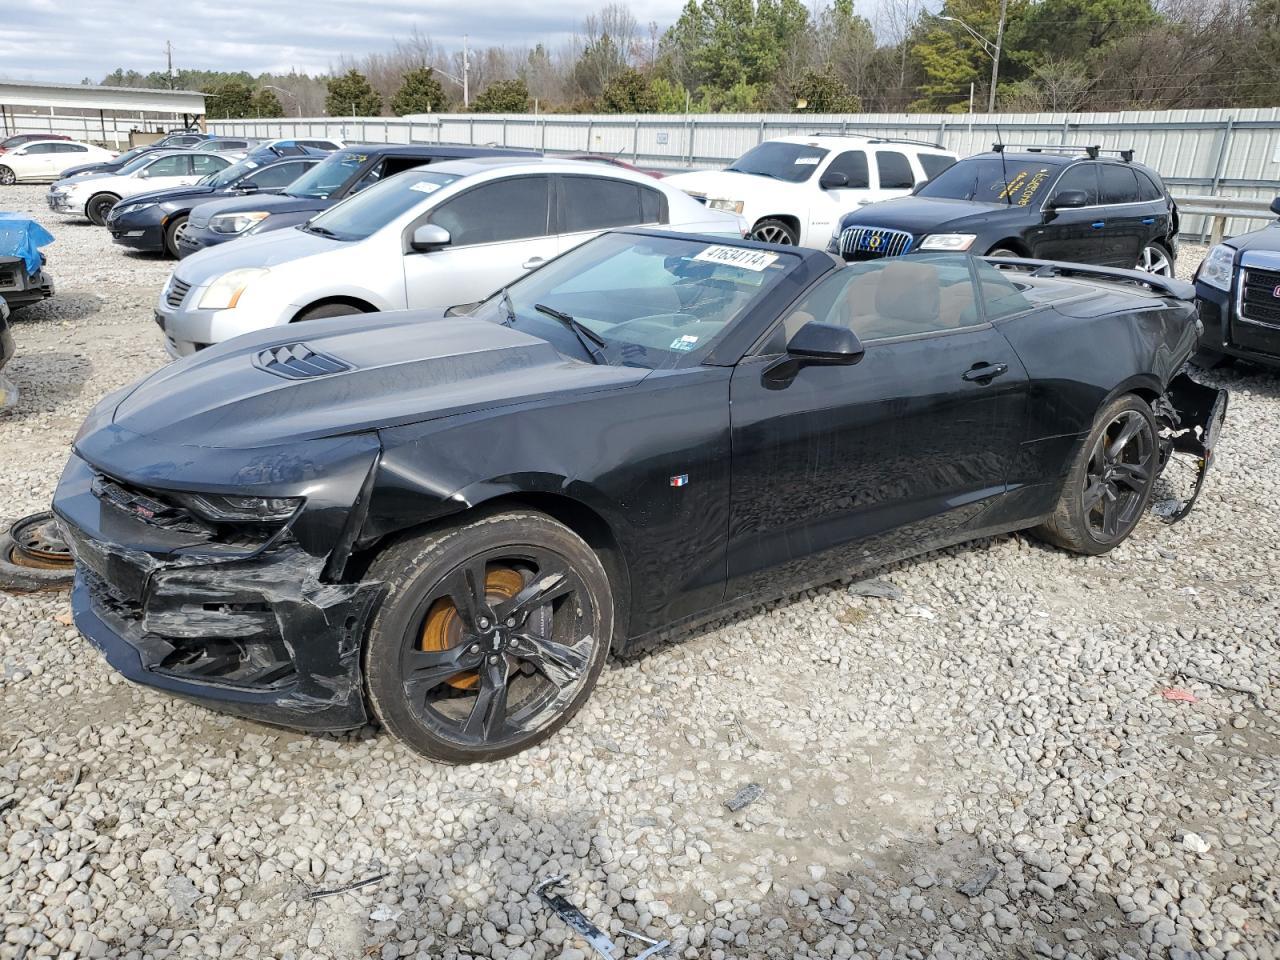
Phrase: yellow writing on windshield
(1024, 186)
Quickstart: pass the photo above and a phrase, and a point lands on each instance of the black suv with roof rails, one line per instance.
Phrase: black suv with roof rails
(343, 173)
(1080, 204)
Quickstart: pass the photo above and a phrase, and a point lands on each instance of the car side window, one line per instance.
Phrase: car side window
(597, 203)
(893, 297)
(895, 170)
(1148, 191)
(279, 175)
(1117, 184)
(499, 211)
(69, 148)
(1001, 297)
(1082, 176)
(205, 165)
(853, 164)
(933, 163)
(175, 166)
(38, 148)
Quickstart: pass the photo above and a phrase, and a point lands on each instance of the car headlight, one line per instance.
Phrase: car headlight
(136, 207)
(733, 206)
(948, 241)
(237, 222)
(1215, 270)
(221, 509)
(224, 293)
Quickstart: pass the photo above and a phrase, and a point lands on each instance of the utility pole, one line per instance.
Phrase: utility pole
(466, 73)
(168, 52)
(995, 58)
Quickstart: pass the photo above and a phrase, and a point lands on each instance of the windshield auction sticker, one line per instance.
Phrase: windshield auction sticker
(737, 257)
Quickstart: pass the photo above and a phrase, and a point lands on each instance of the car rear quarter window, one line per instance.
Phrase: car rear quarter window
(1117, 184)
(1082, 176)
(895, 170)
(1001, 297)
(597, 203)
(853, 164)
(934, 163)
(494, 212)
(202, 166)
(1148, 189)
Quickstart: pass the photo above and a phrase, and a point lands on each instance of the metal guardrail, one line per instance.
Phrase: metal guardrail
(1218, 210)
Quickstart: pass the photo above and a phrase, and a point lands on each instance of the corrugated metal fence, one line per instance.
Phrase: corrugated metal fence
(1218, 152)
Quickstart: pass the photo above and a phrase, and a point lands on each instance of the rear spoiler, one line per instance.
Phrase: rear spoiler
(1165, 286)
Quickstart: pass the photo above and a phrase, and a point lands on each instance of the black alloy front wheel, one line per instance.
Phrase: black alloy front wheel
(490, 638)
(1110, 480)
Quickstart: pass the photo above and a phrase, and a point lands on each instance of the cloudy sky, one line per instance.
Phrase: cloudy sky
(67, 40)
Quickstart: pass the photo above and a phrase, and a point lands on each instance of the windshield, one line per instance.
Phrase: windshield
(129, 155)
(655, 302)
(327, 176)
(984, 179)
(792, 162)
(363, 213)
(228, 175)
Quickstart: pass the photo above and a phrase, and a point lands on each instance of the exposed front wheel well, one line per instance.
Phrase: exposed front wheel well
(318, 309)
(1013, 246)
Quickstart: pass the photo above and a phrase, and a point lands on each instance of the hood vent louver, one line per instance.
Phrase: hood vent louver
(297, 361)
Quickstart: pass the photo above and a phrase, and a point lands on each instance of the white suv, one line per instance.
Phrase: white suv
(793, 190)
(432, 237)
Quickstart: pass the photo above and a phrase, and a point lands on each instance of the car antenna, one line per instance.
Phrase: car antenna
(1004, 169)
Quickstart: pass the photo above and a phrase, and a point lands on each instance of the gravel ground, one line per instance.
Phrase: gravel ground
(990, 758)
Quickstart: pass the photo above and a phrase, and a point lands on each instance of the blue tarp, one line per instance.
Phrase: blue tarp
(22, 237)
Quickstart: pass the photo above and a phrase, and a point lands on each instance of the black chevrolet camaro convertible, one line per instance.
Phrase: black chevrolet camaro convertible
(449, 522)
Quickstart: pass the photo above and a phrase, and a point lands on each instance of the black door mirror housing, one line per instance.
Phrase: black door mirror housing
(833, 180)
(1275, 206)
(247, 187)
(428, 237)
(1069, 199)
(825, 343)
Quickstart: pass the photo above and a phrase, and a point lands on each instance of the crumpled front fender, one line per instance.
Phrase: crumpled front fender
(1191, 416)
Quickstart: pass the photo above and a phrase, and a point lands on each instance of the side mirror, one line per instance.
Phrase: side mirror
(1275, 206)
(1068, 199)
(833, 180)
(246, 187)
(428, 237)
(825, 343)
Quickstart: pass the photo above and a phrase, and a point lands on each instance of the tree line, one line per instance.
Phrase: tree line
(783, 56)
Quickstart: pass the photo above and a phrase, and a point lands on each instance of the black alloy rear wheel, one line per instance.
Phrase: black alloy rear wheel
(491, 637)
(1110, 480)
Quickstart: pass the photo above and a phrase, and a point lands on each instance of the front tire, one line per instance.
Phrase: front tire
(7, 177)
(772, 230)
(171, 233)
(99, 206)
(1109, 482)
(1004, 252)
(491, 636)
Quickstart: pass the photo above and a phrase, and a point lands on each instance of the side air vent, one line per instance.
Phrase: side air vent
(297, 361)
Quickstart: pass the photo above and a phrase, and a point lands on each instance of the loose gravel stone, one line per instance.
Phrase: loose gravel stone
(969, 757)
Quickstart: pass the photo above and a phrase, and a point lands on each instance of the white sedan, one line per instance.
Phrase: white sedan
(94, 194)
(431, 237)
(46, 159)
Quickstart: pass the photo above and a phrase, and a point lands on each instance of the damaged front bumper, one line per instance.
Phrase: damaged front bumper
(251, 629)
(1191, 416)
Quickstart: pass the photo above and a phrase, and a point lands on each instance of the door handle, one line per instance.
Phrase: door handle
(984, 373)
(532, 263)
(1148, 221)
(1098, 224)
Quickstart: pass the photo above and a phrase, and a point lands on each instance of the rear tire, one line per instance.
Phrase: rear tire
(771, 230)
(463, 673)
(1109, 482)
(99, 206)
(171, 236)
(328, 310)
(1155, 258)
(7, 177)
